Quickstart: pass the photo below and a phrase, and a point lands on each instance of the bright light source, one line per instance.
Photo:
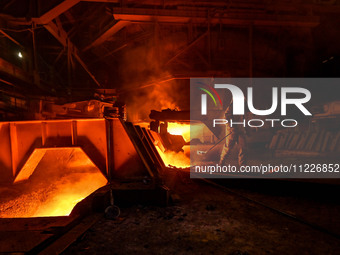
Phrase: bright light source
(19, 54)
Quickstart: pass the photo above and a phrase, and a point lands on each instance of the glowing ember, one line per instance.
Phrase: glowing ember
(179, 129)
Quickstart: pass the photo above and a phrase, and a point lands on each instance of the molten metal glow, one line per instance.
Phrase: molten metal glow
(57, 199)
(63, 178)
(171, 158)
(69, 192)
(179, 129)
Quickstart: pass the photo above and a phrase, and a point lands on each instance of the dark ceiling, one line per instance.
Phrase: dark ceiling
(126, 44)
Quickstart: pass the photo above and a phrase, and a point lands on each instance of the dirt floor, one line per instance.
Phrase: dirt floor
(206, 220)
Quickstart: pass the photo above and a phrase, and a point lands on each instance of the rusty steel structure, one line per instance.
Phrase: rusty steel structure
(120, 150)
(32, 163)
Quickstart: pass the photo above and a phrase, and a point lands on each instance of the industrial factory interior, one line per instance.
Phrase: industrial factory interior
(108, 108)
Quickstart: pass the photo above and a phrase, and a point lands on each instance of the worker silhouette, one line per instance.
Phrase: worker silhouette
(236, 134)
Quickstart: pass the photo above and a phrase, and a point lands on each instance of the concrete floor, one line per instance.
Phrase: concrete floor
(206, 220)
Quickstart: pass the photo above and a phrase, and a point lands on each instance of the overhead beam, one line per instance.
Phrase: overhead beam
(187, 47)
(103, 1)
(55, 12)
(124, 45)
(107, 34)
(60, 34)
(69, 16)
(121, 15)
(87, 15)
(10, 37)
(202, 17)
(14, 21)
